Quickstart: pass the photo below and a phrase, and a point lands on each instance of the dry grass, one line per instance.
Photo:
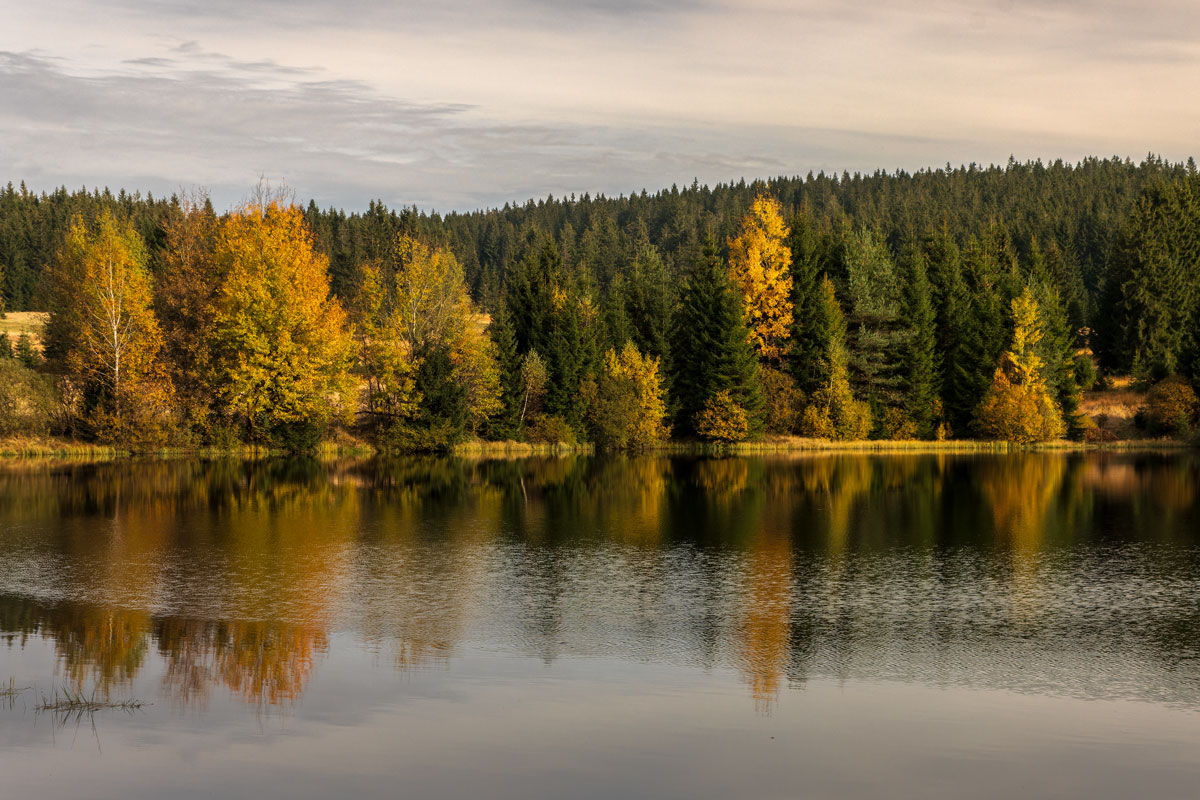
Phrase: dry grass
(14, 323)
(49, 446)
(477, 448)
(1114, 409)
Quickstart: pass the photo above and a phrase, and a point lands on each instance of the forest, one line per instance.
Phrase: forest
(954, 303)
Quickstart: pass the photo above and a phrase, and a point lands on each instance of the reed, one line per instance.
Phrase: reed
(477, 448)
(71, 701)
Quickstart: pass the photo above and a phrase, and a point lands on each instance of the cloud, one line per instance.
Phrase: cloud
(471, 103)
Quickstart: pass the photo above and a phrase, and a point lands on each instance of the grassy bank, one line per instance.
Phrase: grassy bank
(57, 448)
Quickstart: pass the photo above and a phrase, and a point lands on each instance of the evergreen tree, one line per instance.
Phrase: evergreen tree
(985, 327)
(922, 402)
(833, 412)
(809, 332)
(506, 424)
(711, 346)
(876, 334)
(1155, 284)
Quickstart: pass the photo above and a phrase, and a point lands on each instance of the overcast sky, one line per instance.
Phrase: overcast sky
(460, 104)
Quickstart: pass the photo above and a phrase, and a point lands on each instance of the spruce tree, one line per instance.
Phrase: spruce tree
(1155, 284)
(711, 346)
(985, 329)
(920, 365)
(809, 333)
(506, 425)
(876, 334)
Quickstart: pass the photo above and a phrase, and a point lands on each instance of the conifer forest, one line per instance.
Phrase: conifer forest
(957, 303)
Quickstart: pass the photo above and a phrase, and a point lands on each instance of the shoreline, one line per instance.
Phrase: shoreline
(17, 449)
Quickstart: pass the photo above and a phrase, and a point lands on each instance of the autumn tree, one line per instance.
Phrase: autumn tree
(185, 304)
(103, 329)
(1171, 408)
(723, 420)
(534, 377)
(759, 265)
(430, 365)
(281, 347)
(626, 403)
(385, 358)
(1019, 405)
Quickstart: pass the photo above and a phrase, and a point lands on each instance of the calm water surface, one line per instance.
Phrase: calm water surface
(824, 626)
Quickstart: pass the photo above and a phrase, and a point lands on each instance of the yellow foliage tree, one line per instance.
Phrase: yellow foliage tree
(477, 370)
(104, 329)
(626, 406)
(431, 300)
(723, 420)
(433, 310)
(760, 266)
(1018, 407)
(282, 351)
(385, 356)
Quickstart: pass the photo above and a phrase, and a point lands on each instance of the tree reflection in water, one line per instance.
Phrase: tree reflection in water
(233, 575)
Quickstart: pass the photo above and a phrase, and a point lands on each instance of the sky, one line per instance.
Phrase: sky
(465, 104)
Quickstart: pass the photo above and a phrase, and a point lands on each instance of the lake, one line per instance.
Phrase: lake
(850, 626)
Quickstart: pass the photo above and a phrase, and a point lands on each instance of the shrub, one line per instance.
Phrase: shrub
(547, 429)
(897, 425)
(722, 420)
(1171, 408)
(816, 423)
(784, 401)
(1022, 413)
(625, 404)
(28, 400)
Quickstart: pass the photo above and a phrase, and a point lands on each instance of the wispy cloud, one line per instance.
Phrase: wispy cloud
(463, 104)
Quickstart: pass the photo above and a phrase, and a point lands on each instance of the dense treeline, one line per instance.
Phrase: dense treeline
(960, 302)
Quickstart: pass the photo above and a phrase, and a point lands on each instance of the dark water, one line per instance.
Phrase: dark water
(829, 626)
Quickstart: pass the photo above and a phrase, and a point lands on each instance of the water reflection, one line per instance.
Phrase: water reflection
(1044, 573)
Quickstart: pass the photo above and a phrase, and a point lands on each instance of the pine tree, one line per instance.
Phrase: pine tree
(984, 329)
(876, 334)
(922, 402)
(833, 411)
(711, 346)
(506, 424)
(809, 332)
(1155, 284)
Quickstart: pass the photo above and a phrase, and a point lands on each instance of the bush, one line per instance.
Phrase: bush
(625, 405)
(816, 423)
(1171, 408)
(722, 420)
(547, 429)
(299, 436)
(784, 401)
(28, 400)
(1020, 413)
(897, 425)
